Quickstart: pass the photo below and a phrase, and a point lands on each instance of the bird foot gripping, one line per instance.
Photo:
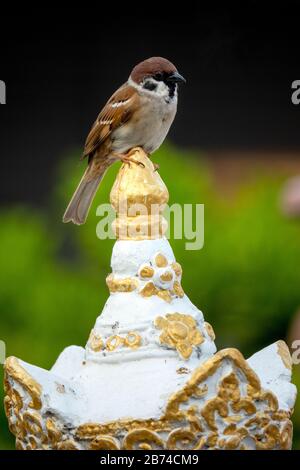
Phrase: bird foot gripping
(127, 158)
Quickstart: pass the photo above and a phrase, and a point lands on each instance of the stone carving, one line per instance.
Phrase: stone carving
(179, 332)
(236, 413)
(161, 278)
(131, 340)
(149, 376)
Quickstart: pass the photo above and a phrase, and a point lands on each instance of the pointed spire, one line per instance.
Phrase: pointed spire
(139, 197)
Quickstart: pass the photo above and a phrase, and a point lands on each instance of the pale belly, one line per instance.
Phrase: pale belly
(148, 130)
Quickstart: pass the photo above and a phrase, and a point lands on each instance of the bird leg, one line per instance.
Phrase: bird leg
(126, 158)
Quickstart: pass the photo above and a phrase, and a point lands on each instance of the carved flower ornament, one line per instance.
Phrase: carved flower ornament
(179, 332)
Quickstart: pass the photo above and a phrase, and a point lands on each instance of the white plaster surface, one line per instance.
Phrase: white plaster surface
(274, 375)
(129, 255)
(126, 382)
(87, 386)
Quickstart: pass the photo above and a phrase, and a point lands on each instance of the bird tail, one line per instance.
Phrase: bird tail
(82, 199)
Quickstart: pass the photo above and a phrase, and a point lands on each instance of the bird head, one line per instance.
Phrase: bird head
(156, 75)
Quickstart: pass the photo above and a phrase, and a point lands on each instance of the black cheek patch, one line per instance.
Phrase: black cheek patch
(150, 86)
(172, 88)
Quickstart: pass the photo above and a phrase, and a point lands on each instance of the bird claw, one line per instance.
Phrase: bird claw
(132, 160)
(156, 166)
(127, 159)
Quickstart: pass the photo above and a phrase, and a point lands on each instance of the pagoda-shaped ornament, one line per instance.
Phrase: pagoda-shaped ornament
(149, 376)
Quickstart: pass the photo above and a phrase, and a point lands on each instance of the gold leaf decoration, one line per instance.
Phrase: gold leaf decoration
(239, 412)
(148, 290)
(210, 330)
(178, 289)
(180, 332)
(95, 342)
(167, 276)
(146, 272)
(177, 268)
(161, 261)
(143, 439)
(121, 285)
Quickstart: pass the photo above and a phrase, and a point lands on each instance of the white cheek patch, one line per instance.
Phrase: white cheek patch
(161, 92)
(162, 89)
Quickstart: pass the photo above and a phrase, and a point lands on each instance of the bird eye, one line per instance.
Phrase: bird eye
(159, 76)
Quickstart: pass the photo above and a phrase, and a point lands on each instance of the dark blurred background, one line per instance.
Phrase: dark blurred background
(234, 146)
(60, 68)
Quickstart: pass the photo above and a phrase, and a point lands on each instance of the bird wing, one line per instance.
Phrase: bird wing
(115, 113)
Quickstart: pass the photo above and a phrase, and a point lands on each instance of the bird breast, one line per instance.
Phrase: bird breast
(148, 126)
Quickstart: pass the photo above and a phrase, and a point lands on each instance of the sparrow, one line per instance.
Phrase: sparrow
(138, 114)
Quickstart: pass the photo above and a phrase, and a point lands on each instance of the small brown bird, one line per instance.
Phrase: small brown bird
(139, 114)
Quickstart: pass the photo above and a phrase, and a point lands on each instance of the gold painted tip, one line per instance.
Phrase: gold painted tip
(14, 370)
(138, 183)
(284, 353)
(139, 197)
(11, 364)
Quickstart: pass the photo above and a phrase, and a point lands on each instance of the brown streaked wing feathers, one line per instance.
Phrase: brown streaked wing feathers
(110, 118)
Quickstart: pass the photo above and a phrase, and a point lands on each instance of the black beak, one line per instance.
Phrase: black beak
(176, 78)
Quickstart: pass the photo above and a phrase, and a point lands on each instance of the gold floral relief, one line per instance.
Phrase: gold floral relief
(113, 342)
(179, 332)
(146, 272)
(229, 388)
(177, 268)
(210, 330)
(121, 285)
(165, 295)
(161, 261)
(148, 290)
(68, 444)
(169, 275)
(234, 417)
(104, 443)
(177, 289)
(143, 439)
(284, 353)
(95, 342)
(19, 374)
(53, 431)
(132, 340)
(181, 439)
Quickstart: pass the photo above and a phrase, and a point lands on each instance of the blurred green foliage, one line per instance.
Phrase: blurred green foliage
(246, 278)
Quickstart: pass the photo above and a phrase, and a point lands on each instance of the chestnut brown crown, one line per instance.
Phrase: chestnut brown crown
(151, 67)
